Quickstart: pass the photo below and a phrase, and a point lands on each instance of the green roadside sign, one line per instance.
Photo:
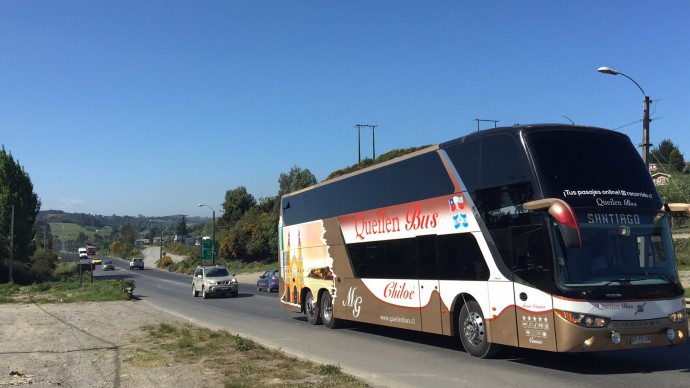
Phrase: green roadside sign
(206, 251)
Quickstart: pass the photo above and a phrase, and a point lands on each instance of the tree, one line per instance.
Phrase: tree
(16, 190)
(130, 234)
(294, 180)
(237, 202)
(662, 153)
(181, 229)
(676, 160)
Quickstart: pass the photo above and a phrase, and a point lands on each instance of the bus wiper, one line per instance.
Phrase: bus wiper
(661, 276)
(619, 281)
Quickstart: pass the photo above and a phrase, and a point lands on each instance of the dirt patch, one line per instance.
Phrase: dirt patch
(133, 344)
(151, 255)
(79, 345)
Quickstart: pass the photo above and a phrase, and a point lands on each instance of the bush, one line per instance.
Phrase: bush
(165, 262)
(43, 265)
(64, 271)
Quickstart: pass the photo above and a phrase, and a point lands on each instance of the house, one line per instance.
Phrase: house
(660, 179)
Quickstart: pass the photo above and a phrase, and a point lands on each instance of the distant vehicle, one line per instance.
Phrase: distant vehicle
(269, 281)
(90, 249)
(136, 263)
(82, 252)
(213, 279)
(108, 265)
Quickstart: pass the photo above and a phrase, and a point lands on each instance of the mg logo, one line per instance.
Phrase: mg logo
(640, 308)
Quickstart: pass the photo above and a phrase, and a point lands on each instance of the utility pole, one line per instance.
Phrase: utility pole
(373, 142)
(478, 120)
(161, 253)
(645, 131)
(11, 245)
(359, 141)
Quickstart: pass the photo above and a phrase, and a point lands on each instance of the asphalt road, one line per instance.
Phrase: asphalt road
(400, 358)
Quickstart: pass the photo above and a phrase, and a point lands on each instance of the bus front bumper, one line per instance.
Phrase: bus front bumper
(620, 335)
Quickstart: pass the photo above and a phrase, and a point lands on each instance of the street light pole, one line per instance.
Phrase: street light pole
(213, 236)
(645, 117)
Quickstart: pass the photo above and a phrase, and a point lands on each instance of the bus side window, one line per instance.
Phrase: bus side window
(459, 258)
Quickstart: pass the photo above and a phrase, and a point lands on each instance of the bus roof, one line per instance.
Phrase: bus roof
(517, 129)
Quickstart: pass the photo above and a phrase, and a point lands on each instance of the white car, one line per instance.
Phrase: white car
(136, 263)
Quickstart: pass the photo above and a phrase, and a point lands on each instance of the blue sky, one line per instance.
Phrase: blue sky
(151, 107)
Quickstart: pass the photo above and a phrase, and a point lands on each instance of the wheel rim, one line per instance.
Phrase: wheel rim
(474, 329)
(327, 309)
(309, 305)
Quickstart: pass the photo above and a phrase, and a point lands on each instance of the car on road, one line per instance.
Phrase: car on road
(136, 263)
(269, 281)
(213, 280)
(108, 265)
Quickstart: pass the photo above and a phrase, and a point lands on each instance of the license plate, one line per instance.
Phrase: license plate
(641, 339)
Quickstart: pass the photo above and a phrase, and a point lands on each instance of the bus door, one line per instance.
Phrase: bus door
(429, 288)
(532, 270)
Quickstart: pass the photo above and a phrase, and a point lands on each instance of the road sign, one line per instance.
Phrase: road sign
(206, 249)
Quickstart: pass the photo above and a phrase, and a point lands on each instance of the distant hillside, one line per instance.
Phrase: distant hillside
(99, 221)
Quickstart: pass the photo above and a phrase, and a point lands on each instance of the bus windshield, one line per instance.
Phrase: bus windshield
(623, 248)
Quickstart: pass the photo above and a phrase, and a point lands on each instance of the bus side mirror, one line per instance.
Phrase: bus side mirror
(679, 207)
(563, 214)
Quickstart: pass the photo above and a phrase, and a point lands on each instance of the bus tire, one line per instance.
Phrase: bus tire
(311, 309)
(473, 333)
(327, 317)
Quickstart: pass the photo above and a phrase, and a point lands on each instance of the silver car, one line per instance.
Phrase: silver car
(213, 280)
(108, 265)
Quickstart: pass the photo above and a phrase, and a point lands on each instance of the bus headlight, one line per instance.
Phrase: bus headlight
(678, 316)
(582, 319)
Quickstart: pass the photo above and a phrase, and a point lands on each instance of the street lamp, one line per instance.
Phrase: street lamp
(213, 237)
(645, 118)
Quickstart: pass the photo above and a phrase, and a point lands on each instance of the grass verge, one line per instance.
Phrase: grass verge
(232, 360)
(68, 289)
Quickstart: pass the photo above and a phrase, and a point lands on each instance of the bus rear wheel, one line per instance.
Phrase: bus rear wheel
(472, 331)
(327, 312)
(312, 310)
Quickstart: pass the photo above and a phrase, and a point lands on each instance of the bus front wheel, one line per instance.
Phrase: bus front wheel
(311, 309)
(473, 332)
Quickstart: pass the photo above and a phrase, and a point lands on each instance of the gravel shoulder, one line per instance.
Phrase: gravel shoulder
(80, 345)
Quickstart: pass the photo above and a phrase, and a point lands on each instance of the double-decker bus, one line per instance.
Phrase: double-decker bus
(547, 237)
